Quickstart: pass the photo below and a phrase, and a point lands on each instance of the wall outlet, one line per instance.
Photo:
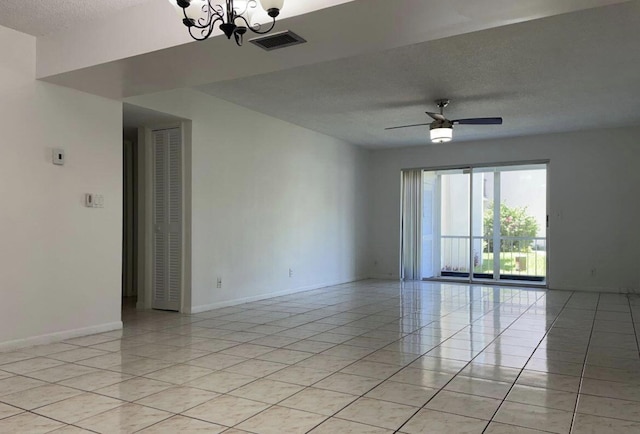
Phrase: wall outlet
(290, 272)
(219, 282)
(58, 157)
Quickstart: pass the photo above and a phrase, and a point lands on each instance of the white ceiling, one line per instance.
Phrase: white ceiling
(42, 17)
(135, 117)
(369, 64)
(567, 72)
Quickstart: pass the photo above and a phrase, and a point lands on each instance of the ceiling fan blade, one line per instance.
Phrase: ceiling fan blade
(407, 126)
(478, 121)
(436, 116)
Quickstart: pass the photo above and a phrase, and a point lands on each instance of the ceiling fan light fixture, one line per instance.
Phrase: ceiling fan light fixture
(441, 134)
(441, 129)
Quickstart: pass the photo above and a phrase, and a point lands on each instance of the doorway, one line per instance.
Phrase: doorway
(485, 223)
(129, 219)
(156, 211)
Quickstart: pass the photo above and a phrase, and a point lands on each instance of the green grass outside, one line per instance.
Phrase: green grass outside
(518, 263)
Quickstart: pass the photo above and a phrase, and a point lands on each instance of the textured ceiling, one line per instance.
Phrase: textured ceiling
(41, 17)
(568, 72)
(135, 117)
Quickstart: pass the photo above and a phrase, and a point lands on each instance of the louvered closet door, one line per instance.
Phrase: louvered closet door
(167, 209)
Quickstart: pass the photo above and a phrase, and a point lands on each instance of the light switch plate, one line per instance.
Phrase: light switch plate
(92, 200)
(98, 200)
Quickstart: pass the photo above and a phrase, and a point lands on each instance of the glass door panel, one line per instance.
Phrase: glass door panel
(522, 216)
(429, 244)
(454, 222)
(482, 236)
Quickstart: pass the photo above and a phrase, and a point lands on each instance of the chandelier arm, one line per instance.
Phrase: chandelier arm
(250, 4)
(238, 38)
(196, 37)
(204, 34)
(214, 14)
(257, 27)
(243, 19)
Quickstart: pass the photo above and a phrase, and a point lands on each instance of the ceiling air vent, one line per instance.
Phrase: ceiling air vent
(275, 41)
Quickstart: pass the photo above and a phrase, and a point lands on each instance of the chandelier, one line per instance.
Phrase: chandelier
(234, 17)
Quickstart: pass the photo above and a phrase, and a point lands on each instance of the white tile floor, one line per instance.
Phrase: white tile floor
(368, 357)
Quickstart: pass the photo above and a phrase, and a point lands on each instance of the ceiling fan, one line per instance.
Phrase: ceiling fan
(441, 129)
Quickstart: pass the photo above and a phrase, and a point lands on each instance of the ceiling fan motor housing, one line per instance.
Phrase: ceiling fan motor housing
(441, 131)
(440, 124)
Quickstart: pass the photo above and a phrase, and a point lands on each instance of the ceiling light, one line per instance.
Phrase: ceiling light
(441, 133)
(233, 17)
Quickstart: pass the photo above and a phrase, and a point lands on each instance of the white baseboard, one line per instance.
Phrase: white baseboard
(59, 336)
(384, 276)
(604, 289)
(236, 301)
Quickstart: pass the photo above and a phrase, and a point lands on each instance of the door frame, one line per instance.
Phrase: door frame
(129, 216)
(469, 279)
(145, 214)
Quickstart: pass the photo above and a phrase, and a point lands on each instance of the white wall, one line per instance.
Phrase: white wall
(59, 262)
(594, 187)
(267, 196)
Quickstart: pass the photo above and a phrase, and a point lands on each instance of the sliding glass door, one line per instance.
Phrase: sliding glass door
(485, 223)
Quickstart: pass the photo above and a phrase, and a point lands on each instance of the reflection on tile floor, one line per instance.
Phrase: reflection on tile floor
(367, 357)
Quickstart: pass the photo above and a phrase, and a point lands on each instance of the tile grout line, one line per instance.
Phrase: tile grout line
(306, 387)
(471, 361)
(635, 329)
(584, 366)
(360, 359)
(515, 380)
(406, 366)
(124, 402)
(170, 331)
(394, 341)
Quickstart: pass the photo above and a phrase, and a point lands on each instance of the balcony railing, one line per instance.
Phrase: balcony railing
(520, 257)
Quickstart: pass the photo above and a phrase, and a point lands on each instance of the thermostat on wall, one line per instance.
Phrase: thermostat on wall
(58, 157)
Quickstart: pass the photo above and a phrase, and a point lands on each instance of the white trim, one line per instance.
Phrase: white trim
(60, 336)
(596, 289)
(142, 210)
(186, 128)
(236, 301)
(529, 284)
(386, 276)
(547, 224)
(497, 225)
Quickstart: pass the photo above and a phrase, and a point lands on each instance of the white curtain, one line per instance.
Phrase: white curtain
(411, 218)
